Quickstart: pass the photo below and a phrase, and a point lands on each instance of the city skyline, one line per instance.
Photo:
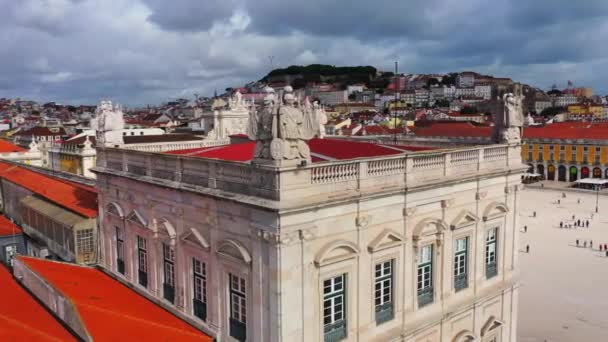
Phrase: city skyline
(146, 51)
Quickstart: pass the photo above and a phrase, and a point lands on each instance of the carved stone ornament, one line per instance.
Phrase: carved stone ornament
(447, 203)
(307, 234)
(410, 211)
(508, 189)
(363, 221)
(481, 195)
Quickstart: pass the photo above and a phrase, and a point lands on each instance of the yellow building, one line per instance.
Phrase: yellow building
(586, 109)
(567, 151)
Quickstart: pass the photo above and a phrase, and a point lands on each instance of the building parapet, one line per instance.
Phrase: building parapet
(290, 187)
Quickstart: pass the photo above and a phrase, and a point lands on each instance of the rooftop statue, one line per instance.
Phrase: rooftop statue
(282, 130)
(509, 125)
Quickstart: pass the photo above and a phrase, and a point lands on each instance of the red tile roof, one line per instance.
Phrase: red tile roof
(8, 228)
(321, 149)
(452, 129)
(76, 197)
(42, 131)
(568, 130)
(6, 146)
(22, 318)
(109, 310)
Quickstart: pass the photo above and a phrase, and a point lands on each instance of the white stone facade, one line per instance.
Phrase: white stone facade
(324, 220)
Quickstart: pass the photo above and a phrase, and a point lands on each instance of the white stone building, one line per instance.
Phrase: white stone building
(484, 91)
(410, 247)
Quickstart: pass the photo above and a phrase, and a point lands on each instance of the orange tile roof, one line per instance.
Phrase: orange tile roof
(22, 318)
(76, 197)
(6, 147)
(109, 310)
(8, 228)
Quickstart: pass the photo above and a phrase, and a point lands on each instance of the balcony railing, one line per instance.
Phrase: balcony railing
(238, 330)
(425, 296)
(324, 178)
(335, 332)
(384, 313)
(120, 266)
(169, 292)
(142, 278)
(200, 309)
(491, 270)
(461, 282)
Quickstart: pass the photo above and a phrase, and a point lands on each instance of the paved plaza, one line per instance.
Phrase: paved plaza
(564, 288)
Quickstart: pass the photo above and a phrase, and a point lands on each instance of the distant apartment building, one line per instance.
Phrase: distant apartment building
(331, 98)
(541, 105)
(484, 91)
(465, 79)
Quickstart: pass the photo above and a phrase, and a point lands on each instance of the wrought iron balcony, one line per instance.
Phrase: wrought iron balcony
(200, 309)
(142, 278)
(238, 330)
(461, 281)
(169, 292)
(425, 296)
(335, 331)
(491, 270)
(120, 265)
(384, 313)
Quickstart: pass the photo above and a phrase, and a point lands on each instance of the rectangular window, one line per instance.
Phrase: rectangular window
(461, 256)
(562, 148)
(142, 261)
(383, 291)
(199, 298)
(491, 264)
(169, 272)
(85, 243)
(573, 153)
(334, 308)
(238, 308)
(120, 250)
(425, 276)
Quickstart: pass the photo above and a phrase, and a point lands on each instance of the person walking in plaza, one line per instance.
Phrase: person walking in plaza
(573, 217)
(591, 244)
(561, 224)
(534, 214)
(559, 202)
(576, 242)
(587, 223)
(578, 201)
(527, 248)
(585, 243)
(525, 229)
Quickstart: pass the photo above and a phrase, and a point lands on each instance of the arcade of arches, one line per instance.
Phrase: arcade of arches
(563, 173)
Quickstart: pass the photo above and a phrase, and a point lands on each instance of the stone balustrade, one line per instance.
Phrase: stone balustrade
(320, 180)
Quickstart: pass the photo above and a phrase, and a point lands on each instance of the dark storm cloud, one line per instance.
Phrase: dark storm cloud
(147, 51)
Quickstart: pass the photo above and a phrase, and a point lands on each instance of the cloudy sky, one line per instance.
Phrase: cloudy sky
(150, 51)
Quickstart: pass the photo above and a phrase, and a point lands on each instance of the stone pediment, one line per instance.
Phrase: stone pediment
(194, 237)
(136, 218)
(335, 252)
(386, 239)
(464, 219)
(495, 210)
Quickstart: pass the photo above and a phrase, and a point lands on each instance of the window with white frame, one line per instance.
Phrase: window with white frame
(142, 261)
(461, 256)
(383, 291)
(169, 272)
(425, 275)
(238, 308)
(334, 308)
(120, 250)
(199, 298)
(491, 249)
